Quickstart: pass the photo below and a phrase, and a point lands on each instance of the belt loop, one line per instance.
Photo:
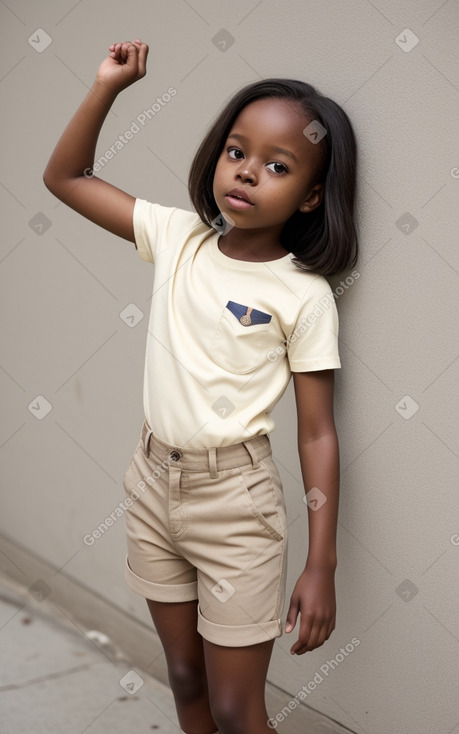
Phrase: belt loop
(252, 452)
(146, 441)
(213, 463)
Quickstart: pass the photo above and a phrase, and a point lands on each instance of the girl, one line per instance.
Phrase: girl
(240, 303)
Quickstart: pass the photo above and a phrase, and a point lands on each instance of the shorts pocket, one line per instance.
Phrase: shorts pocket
(264, 496)
(239, 343)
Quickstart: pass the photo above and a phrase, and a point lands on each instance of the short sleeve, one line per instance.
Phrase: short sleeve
(313, 343)
(157, 227)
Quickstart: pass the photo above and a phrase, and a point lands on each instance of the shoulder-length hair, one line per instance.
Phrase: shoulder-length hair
(324, 240)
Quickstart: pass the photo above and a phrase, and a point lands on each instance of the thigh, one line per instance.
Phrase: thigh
(237, 678)
(176, 625)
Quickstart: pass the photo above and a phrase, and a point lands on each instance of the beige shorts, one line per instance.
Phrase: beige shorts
(209, 524)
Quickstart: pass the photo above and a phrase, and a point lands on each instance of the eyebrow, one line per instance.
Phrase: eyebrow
(274, 147)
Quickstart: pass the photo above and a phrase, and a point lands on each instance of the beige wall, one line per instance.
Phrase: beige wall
(66, 283)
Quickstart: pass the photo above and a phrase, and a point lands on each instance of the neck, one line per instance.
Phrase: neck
(251, 245)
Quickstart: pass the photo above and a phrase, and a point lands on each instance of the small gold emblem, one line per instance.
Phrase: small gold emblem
(245, 319)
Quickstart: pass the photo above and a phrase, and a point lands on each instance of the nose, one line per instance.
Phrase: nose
(246, 172)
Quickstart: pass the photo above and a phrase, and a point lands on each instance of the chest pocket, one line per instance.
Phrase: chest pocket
(239, 343)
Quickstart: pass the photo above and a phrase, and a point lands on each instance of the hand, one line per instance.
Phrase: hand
(314, 597)
(125, 64)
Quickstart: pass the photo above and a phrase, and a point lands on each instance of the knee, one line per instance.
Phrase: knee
(187, 681)
(229, 714)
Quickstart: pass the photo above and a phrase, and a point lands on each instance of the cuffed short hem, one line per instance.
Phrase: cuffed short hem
(159, 592)
(238, 635)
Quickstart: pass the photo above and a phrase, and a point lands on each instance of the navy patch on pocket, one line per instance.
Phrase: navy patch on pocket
(247, 315)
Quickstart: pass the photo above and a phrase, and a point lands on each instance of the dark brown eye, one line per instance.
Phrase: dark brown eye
(235, 150)
(282, 166)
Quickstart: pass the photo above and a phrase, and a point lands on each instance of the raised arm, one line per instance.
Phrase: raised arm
(67, 174)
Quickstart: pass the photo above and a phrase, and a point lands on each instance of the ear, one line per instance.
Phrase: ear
(314, 198)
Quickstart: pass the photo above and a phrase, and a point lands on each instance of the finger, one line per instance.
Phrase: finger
(291, 620)
(307, 642)
(303, 635)
(117, 49)
(124, 49)
(292, 615)
(317, 636)
(325, 633)
(130, 46)
(299, 647)
(143, 53)
(132, 56)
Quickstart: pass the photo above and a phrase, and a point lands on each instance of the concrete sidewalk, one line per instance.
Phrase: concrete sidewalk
(57, 679)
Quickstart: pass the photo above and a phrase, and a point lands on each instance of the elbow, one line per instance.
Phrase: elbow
(52, 184)
(47, 180)
(325, 435)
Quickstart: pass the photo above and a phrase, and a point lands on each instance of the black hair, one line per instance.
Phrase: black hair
(325, 239)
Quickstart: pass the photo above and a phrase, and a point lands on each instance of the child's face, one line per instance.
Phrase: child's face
(275, 183)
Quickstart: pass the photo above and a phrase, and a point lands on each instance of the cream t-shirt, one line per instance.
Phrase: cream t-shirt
(224, 335)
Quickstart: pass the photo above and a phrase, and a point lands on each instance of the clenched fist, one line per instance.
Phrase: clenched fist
(125, 65)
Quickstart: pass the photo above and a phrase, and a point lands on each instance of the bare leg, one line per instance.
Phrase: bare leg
(237, 679)
(176, 624)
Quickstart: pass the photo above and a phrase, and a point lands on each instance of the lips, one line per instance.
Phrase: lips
(239, 194)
